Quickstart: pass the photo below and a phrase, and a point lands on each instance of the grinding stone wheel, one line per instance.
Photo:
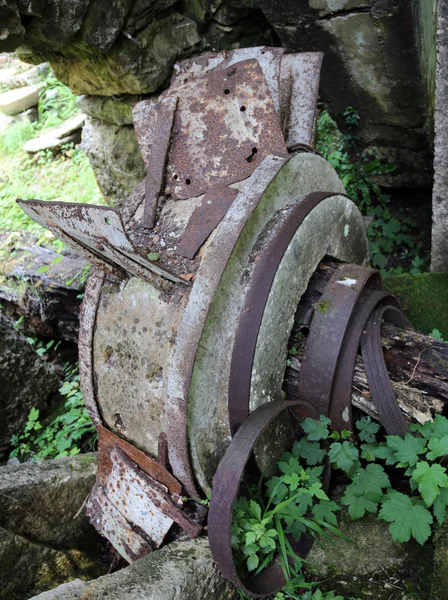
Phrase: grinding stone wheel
(334, 227)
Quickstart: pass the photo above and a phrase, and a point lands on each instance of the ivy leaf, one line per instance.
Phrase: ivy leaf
(437, 447)
(370, 482)
(311, 452)
(357, 505)
(367, 430)
(430, 479)
(440, 504)
(324, 511)
(405, 518)
(316, 430)
(406, 449)
(344, 455)
(33, 415)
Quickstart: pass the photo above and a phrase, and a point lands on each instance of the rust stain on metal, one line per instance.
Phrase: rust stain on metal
(107, 441)
(205, 219)
(159, 143)
(98, 233)
(224, 126)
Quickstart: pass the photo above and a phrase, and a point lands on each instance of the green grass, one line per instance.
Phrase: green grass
(67, 177)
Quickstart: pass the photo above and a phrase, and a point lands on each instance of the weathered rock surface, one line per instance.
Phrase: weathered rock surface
(439, 242)
(12, 31)
(49, 301)
(115, 157)
(382, 50)
(32, 76)
(25, 381)
(114, 111)
(372, 565)
(182, 570)
(56, 136)
(17, 101)
(43, 542)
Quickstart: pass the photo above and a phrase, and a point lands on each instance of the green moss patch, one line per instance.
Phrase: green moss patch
(424, 299)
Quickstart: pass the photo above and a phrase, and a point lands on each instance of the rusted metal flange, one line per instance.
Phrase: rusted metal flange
(226, 484)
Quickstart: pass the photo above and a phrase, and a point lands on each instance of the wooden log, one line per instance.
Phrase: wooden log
(42, 286)
(417, 363)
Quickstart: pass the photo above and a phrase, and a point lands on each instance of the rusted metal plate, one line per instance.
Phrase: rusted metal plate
(96, 230)
(158, 142)
(326, 340)
(268, 58)
(224, 126)
(299, 89)
(110, 523)
(205, 219)
(108, 441)
(137, 498)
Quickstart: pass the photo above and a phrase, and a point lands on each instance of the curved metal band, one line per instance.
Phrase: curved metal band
(377, 376)
(226, 483)
(326, 342)
(254, 306)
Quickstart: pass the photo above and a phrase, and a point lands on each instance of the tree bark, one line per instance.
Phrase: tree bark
(417, 364)
(42, 286)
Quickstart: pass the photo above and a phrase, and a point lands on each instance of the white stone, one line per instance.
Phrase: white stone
(17, 101)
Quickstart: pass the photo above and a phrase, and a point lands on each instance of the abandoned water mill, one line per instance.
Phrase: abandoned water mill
(224, 351)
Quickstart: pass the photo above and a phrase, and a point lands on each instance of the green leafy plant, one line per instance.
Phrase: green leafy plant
(293, 502)
(66, 435)
(395, 235)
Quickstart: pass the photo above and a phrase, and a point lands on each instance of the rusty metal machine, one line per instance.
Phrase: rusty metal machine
(187, 315)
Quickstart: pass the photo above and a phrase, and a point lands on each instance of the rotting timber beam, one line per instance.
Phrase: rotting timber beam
(417, 363)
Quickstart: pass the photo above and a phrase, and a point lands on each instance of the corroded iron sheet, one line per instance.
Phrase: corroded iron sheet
(299, 88)
(224, 126)
(108, 521)
(205, 219)
(95, 230)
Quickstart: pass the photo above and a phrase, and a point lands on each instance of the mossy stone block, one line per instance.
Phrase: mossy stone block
(424, 299)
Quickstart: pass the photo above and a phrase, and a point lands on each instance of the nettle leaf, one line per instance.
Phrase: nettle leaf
(344, 455)
(314, 474)
(311, 452)
(324, 511)
(33, 414)
(437, 447)
(367, 430)
(406, 518)
(357, 505)
(370, 482)
(430, 479)
(407, 449)
(440, 504)
(316, 430)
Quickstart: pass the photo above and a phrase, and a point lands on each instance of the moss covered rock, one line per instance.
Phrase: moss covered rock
(372, 566)
(424, 299)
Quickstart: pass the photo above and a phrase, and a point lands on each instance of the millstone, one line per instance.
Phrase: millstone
(192, 299)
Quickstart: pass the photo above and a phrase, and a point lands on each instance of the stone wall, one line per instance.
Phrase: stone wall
(379, 58)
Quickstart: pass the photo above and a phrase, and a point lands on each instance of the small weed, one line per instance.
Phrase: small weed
(395, 237)
(68, 434)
